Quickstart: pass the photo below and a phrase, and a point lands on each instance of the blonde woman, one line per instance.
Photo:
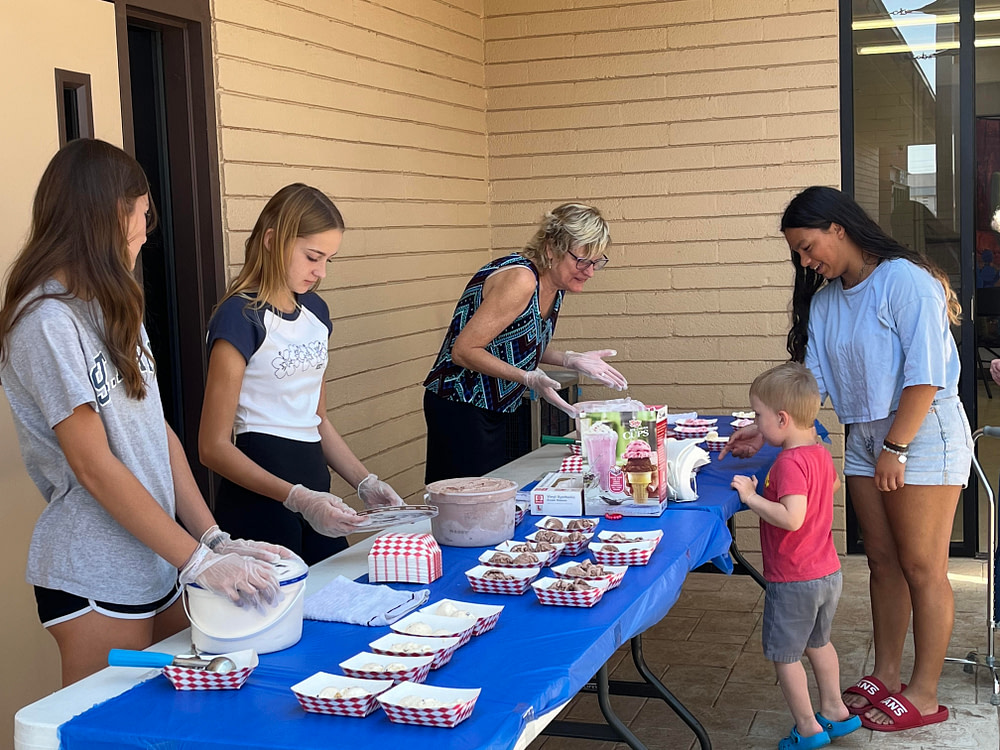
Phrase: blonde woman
(267, 344)
(499, 335)
(77, 369)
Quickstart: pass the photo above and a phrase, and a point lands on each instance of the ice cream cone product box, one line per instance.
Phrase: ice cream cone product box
(407, 558)
(625, 453)
(558, 493)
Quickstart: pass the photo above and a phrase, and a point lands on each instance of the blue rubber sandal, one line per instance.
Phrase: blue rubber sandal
(838, 728)
(795, 741)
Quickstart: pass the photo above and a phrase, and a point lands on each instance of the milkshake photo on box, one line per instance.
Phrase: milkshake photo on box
(620, 450)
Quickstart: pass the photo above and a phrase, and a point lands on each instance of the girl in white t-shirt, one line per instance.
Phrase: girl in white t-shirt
(77, 369)
(267, 344)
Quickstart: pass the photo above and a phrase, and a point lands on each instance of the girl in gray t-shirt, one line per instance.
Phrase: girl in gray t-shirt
(75, 365)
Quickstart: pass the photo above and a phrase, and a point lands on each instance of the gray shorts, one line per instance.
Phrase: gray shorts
(798, 615)
(940, 454)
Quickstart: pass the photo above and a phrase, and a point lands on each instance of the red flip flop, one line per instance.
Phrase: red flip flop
(904, 715)
(871, 688)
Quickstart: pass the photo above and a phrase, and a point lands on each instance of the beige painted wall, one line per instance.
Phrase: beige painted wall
(690, 125)
(381, 105)
(36, 38)
(443, 129)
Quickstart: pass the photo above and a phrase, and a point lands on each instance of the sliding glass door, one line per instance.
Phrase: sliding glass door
(921, 104)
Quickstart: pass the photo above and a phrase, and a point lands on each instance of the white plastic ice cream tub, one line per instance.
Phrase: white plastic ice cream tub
(219, 626)
(472, 511)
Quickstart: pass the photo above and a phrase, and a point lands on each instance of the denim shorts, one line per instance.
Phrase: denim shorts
(940, 454)
(799, 615)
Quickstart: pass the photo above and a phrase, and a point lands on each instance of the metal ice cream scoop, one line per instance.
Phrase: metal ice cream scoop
(120, 657)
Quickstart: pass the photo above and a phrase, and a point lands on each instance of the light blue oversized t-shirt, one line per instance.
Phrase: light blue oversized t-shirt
(869, 342)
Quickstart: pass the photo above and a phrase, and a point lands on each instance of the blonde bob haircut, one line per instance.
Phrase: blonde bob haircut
(295, 211)
(789, 388)
(570, 227)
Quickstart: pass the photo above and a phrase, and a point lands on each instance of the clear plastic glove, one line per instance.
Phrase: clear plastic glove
(219, 541)
(246, 581)
(592, 365)
(548, 389)
(326, 513)
(375, 493)
(743, 443)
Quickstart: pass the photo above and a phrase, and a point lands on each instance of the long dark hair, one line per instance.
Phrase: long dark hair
(819, 207)
(79, 228)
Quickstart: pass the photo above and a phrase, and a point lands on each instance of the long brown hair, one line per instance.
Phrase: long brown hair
(819, 207)
(296, 210)
(79, 229)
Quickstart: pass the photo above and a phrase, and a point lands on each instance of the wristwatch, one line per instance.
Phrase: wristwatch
(899, 451)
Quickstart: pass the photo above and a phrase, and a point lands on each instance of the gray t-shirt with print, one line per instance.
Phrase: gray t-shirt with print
(56, 362)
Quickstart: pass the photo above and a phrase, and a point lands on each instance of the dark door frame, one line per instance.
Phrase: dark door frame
(193, 163)
(967, 191)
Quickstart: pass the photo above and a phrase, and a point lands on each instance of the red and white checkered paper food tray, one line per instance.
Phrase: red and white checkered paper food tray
(442, 649)
(416, 667)
(508, 546)
(486, 615)
(460, 703)
(572, 465)
(613, 574)
(522, 578)
(569, 549)
(440, 626)
(406, 558)
(307, 692)
(185, 678)
(588, 598)
(627, 554)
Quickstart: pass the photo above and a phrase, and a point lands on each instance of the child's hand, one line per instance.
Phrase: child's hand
(745, 486)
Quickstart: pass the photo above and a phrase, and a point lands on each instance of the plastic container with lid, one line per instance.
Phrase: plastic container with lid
(219, 626)
(473, 511)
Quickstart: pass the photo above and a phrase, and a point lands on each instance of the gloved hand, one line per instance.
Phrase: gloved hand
(592, 365)
(326, 513)
(548, 389)
(245, 580)
(375, 493)
(219, 541)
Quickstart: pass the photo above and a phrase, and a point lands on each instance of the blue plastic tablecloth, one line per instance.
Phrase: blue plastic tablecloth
(536, 658)
(713, 480)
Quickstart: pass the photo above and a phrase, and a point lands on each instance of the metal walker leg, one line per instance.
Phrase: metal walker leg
(973, 661)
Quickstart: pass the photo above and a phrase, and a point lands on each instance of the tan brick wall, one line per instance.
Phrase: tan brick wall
(690, 124)
(382, 105)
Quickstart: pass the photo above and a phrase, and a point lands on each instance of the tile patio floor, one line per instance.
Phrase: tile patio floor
(707, 652)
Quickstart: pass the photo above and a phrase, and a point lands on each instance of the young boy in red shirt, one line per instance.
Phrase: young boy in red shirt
(800, 561)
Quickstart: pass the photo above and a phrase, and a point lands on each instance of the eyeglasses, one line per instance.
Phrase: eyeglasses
(583, 263)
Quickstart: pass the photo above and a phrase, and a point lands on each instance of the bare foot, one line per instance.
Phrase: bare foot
(853, 700)
(925, 707)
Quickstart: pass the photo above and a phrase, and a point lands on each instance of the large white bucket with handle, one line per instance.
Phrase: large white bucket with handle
(218, 626)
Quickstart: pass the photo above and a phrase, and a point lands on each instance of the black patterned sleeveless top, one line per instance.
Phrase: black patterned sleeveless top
(520, 344)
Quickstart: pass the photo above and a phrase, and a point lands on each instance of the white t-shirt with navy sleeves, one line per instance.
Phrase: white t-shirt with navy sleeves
(286, 356)
(867, 343)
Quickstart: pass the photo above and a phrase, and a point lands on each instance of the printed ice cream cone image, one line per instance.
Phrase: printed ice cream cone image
(639, 470)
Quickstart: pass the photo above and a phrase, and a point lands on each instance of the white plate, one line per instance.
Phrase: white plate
(376, 519)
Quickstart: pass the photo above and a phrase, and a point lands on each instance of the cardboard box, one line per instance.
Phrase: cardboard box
(645, 429)
(558, 493)
(405, 558)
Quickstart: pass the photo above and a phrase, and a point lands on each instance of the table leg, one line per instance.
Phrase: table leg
(669, 698)
(742, 565)
(615, 731)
